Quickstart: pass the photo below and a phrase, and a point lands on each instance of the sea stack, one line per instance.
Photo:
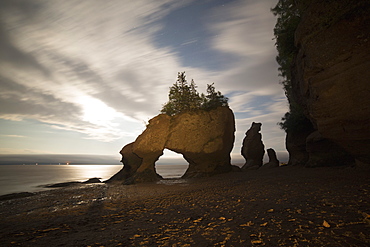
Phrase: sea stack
(253, 148)
(273, 161)
(204, 138)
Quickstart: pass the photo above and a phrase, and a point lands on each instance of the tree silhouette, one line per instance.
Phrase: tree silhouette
(184, 97)
(213, 99)
(288, 14)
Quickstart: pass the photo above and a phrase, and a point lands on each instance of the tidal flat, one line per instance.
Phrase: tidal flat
(285, 206)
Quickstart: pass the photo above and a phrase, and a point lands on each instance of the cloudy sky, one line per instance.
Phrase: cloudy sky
(83, 77)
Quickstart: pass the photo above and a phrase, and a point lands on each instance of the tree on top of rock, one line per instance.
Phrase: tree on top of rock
(184, 97)
(213, 99)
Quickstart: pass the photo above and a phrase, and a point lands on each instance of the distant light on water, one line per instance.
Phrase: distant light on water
(85, 172)
(22, 178)
(28, 178)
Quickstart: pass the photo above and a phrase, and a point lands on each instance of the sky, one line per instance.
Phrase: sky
(84, 77)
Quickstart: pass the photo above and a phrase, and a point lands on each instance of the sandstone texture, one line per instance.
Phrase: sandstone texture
(273, 161)
(204, 138)
(253, 148)
(331, 72)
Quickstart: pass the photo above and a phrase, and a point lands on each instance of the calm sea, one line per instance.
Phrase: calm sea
(22, 178)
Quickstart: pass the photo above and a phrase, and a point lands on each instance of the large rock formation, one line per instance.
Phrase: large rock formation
(323, 152)
(331, 72)
(204, 138)
(253, 148)
(131, 162)
(309, 148)
(295, 143)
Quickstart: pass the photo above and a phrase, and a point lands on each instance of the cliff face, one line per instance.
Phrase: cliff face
(204, 138)
(331, 72)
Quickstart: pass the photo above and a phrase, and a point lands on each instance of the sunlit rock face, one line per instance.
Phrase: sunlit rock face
(331, 72)
(204, 138)
(253, 148)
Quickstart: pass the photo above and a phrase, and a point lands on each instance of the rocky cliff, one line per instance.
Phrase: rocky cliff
(204, 138)
(330, 74)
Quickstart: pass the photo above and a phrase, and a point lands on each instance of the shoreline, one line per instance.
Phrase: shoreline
(269, 207)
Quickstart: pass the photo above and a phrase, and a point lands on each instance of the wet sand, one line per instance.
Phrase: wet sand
(285, 206)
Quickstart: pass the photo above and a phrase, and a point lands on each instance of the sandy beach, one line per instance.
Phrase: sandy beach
(285, 206)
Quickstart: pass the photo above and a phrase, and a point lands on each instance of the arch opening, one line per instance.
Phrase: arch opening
(171, 165)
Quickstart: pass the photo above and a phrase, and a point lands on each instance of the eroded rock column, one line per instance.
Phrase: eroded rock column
(253, 148)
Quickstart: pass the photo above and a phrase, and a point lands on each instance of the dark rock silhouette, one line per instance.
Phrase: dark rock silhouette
(204, 138)
(309, 148)
(131, 162)
(323, 152)
(295, 143)
(253, 148)
(92, 181)
(73, 183)
(273, 161)
(16, 195)
(330, 78)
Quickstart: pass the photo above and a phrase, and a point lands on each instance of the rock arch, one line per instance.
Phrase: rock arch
(204, 138)
(171, 165)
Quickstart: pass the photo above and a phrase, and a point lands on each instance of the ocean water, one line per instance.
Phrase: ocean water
(28, 178)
